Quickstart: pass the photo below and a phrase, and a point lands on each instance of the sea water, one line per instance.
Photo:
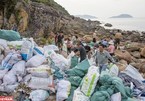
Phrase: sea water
(137, 24)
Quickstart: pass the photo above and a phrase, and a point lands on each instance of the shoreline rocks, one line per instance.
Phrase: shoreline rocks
(108, 25)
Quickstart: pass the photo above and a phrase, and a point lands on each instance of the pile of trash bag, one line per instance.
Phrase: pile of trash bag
(36, 73)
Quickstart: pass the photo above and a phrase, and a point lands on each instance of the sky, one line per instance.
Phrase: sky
(104, 8)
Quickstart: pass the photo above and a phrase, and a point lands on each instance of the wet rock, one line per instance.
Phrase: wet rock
(108, 25)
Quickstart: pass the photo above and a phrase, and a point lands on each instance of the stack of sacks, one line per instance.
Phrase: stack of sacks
(107, 86)
(58, 63)
(58, 60)
(13, 69)
(75, 76)
(40, 77)
(87, 87)
(25, 68)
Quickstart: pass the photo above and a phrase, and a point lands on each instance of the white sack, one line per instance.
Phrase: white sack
(1, 82)
(39, 95)
(27, 78)
(69, 58)
(92, 61)
(19, 78)
(38, 50)
(27, 49)
(114, 70)
(116, 97)
(79, 96)
(19, 68)
(15, 43)
(58, 60)
(35, 61)
(11, 88)
(2, 88)
(3, 43)
(43, 71)
(2, 73)
(133, 72)
(9, 78)
(63, 90)
(51, 47)
(42, 83)
(7, 51)
(90, 80)
(10, 60)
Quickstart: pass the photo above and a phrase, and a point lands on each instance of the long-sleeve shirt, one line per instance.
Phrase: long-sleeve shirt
(103, 57)
(82, 53)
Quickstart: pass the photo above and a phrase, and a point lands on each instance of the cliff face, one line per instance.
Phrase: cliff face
(39, 17)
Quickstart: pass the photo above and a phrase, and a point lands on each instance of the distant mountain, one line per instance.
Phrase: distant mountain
(122, 16)
(86, 16)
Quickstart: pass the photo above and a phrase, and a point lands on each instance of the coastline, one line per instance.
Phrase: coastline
(126, 24)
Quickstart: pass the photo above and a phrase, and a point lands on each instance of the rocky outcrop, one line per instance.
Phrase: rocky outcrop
(136, 54)
(39, 17)
(108, 25)
(1, 19)
(143, 52)
(125, 55)
(134, 46)
(23, 22)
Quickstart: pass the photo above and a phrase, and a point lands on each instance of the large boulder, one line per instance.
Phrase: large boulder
(136, 65)
(122, 64)
(134, 36)
(123, 54)
(134, 46)
(136, 54)
(143, 52)
(108, 25)
(142, 68)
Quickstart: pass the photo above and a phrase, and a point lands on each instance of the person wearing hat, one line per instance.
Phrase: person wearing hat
(102, 58)
(111, 48)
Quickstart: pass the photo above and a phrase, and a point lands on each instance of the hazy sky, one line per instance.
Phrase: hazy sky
(104, 8)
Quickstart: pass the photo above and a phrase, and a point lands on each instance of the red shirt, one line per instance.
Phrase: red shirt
(111, 49)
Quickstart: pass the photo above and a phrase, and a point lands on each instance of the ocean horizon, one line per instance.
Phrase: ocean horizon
(128, 24)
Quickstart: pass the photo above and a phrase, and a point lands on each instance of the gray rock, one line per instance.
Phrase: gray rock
(108, 25)
(136, 54)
